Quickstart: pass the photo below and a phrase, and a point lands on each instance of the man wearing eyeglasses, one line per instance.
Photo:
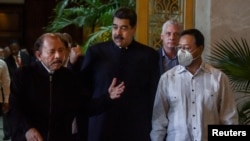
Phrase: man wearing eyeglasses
(191, 96)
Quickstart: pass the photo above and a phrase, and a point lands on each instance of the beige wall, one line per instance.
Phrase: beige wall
(222, 19)
(230, 18)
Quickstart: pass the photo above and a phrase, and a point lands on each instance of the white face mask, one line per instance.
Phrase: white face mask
(185, 58)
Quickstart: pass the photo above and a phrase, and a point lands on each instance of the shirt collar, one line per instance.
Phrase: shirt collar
(123, 48)
(163, 52)
(203, 67)
(165, 56)
(49, 71)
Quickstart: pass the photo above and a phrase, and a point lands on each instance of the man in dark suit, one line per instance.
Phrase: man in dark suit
(127, 118)
(17, 57)
(171, 30)
(45, 96)
(14, 60)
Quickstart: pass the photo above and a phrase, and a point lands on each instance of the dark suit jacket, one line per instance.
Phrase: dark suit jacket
(45, 102)
(10, 61)
(127, 118)
(161, 61)
(161, 66)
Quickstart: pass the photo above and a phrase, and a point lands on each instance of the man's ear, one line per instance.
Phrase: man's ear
(162, 36)
(202, 48)
(38, 55)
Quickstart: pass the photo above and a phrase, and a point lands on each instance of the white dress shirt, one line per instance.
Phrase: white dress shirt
(186, 104)
(4, 82)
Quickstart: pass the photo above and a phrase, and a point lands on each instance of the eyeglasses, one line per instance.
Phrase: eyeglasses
(183, 47)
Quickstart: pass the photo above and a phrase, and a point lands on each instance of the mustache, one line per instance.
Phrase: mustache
(119, 37)
(57, 61)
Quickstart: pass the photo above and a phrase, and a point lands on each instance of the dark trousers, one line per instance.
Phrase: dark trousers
(6, 127)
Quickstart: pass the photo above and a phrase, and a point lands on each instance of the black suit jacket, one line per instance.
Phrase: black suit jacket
(45, 102)
(161, 66)
(161, 61)
(10, 61)
(127, 118)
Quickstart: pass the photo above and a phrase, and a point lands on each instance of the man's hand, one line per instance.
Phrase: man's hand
(33, 135)
(75, 52)
(5, 107)
(115, 90)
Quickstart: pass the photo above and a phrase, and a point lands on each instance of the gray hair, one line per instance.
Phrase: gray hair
(171, 22)
(39, 42)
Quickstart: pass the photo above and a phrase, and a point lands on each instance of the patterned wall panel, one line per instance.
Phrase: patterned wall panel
(159, 12)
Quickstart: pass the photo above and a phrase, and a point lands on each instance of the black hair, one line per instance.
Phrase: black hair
(39, 42)
(199, 38)
(126, 13)
(13, 41)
